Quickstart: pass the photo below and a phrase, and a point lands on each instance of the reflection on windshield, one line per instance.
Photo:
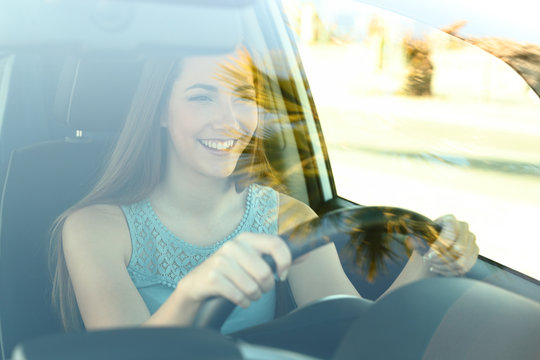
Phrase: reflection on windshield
(279, 112)
(418, 118)
(372, 237)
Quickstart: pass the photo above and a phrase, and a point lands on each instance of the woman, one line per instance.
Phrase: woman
(176, 217)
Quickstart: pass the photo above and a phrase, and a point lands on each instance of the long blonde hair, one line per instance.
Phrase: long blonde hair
(136, 166)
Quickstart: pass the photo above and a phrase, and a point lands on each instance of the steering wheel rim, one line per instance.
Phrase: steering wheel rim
(323, 230)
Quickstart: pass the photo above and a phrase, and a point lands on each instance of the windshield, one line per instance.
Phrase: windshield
(429, 119)
(226, 164)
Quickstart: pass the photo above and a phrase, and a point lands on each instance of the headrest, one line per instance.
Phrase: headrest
(95, 94)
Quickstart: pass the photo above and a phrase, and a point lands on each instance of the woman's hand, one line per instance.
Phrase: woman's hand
(237, 270)
(455, 251)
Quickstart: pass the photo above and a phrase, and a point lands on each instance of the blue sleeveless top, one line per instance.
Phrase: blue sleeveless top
(159, 259)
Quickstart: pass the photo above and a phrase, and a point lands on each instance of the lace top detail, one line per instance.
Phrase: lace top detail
(159, 259)
(158, 256)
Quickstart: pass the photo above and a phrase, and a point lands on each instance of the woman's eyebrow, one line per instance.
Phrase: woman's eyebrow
(203, 86)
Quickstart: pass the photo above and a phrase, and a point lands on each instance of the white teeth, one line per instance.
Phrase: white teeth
(217, 145)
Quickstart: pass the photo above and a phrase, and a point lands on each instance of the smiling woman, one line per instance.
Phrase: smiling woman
(180, 145)
(209, 123)
(182, 213)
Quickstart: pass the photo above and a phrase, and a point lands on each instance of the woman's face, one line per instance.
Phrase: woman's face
(211, 116)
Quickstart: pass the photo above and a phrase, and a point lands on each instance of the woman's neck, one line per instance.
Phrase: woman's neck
(194, 194)
(198, 209)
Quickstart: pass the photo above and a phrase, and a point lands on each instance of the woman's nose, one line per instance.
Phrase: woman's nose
(226, 117)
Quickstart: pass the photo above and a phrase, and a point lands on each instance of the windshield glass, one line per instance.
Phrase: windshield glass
(429, 119)
(225, 164)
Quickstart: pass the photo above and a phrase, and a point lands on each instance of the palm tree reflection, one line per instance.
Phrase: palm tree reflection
(370, 237)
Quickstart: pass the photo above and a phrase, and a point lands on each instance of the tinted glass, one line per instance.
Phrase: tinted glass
(418, 118)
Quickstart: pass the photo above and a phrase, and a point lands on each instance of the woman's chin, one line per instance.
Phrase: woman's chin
(219, 173)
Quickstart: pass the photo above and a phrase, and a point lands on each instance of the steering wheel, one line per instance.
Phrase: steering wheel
(368, 231)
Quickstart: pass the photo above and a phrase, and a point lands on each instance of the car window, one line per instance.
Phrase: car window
(117, 111)
(6, 66)
(6, 63)
(417, 118)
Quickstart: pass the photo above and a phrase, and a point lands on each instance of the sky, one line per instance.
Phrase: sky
(515, 19)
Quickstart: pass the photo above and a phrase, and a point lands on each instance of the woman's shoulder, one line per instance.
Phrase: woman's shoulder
(97, 226)
(292, 212)
(94, 216)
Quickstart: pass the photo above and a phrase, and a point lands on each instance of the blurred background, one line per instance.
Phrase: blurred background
(429, 119)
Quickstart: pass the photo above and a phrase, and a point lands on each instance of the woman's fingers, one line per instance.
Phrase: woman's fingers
(237, 270)
(455, 251)
(444, 256)
(459, 267)
(247, 268)
(269, 245)
(223, 286)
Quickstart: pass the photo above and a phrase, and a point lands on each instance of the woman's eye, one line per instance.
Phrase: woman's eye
(200, 98)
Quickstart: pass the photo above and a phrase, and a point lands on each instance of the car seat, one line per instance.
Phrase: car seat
(29, 80)
(46, 178)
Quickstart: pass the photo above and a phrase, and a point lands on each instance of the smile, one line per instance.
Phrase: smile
(220, 145)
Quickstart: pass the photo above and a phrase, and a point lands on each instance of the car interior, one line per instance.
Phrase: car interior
(56, 162)
(62, 114)
(54, 142)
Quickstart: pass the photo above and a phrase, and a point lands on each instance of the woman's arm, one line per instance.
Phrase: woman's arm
(320, 274)
(454, 253)
(97, 249)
